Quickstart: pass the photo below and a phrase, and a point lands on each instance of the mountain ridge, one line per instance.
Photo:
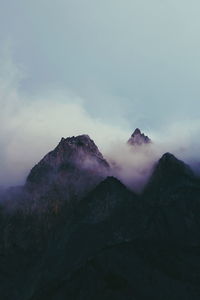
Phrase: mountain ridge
(101, 241)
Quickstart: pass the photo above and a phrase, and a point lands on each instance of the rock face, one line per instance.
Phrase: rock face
(111, 243)
(169, 174)
(173, 199)
(71, 153)
(69, 171)
(138, 138)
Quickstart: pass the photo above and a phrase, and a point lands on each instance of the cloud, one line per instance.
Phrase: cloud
(32, 126)
(133, 165)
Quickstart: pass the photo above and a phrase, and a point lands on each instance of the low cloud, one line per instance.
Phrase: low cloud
(133, 165)
(31, 126)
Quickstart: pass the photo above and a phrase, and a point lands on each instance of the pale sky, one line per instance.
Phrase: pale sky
(132, 57)
(114, 65)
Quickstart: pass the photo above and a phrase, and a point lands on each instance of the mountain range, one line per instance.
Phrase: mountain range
(75, 231)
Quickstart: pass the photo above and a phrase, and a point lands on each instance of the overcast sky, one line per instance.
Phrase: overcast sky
(130, 63)
(134, 57)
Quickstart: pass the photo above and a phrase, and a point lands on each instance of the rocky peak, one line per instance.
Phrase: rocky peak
(138, 138)
(75, 150)
(73, 159)
(169, 164)
(169, 175)
(81, 142)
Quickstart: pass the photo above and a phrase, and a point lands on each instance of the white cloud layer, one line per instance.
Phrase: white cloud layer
(32, 126)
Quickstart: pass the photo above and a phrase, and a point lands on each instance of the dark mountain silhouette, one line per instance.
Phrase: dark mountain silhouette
(170, 174)
(77, 233)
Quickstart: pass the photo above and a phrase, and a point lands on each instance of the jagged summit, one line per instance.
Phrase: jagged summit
(78, 146)
(76, 150)
(137, 131)
(138, 138)
(80, 140)
(74, 159)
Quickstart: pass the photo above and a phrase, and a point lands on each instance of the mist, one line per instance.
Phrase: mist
(31, 126)
(101, 68)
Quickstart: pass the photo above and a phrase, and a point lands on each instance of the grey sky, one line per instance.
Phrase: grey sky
(101, 67)
(138, 58)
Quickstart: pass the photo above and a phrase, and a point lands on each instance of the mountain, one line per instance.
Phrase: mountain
(93, 238)
(172, 197)
(72, 169)
(138, 138)
(71, 154)
(80, 152)
(170, 175)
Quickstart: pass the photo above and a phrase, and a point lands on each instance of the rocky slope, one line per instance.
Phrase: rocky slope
(110, 243)
(68, 172)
